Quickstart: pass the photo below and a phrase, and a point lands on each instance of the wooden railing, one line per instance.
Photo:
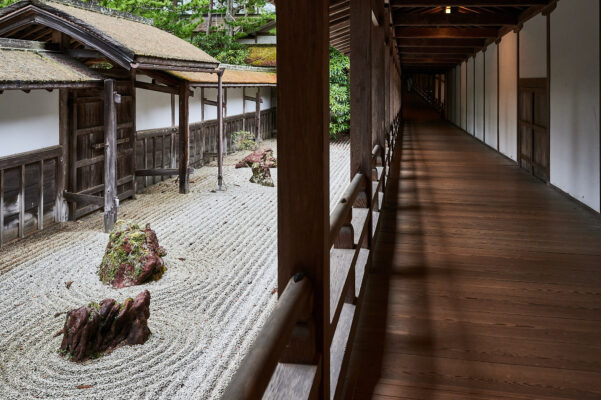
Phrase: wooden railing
(266, 372)
(28, 192)
(158, 148)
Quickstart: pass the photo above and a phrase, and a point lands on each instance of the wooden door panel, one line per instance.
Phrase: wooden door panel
(533, 134)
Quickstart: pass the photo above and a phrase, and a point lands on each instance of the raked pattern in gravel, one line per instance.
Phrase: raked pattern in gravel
(204, 313)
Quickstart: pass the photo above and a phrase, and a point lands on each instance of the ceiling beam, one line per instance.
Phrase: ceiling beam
(438, 50)
(442, 19)
(421, 42)
(467, 3)
(411, 32)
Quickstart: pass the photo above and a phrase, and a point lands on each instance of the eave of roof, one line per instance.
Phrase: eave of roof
(231, 78)
(27, 65)
(130, 41)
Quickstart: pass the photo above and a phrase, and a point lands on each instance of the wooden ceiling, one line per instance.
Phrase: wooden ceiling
(428, 38)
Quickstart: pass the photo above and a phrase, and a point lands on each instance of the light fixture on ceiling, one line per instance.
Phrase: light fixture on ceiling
(447, 10)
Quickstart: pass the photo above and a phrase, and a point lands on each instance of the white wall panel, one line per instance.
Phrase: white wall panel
(508, 95)
(463, 95)
(479, 96)
(153, 109)
(28, 121)
(470, 96)
(533, 48)
(490, 96)
(575, 100)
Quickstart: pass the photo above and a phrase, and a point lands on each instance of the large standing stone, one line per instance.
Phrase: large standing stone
(96, 328)
(263, 157)
(261, 175)
(132, 256)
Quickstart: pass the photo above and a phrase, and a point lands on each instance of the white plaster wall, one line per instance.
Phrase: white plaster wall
(508, 95)
(533, 48)
(463, 96)
(470, 96)
(210, 111)
(234, 101)
(28, 121)
(153, 109)
(457, 95)
(479, 96)
(266, 96)
(195, 108)
(490, 96)
(575, 100)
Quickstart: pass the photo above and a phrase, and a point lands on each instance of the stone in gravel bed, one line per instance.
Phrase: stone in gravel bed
(132, 256)
(91, 330)
(263, 157)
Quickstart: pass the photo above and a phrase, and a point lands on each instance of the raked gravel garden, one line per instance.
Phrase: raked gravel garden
(206, 310)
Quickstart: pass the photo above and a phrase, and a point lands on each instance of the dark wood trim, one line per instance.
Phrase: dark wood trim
(484, 95)
(220, 129)
(156, 88)
(30, 157)
(160, 172)
(548, 94)
(498, 43)
(1, 207)
(517, 134)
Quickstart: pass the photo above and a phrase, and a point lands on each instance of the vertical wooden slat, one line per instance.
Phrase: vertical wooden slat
(498, 42)
(303, 169)
(41, 198)
(145, 156)
(184, 138)
(484, 95)
(22, 202)
(110, 156)
(73, 155)
(243, 108)
(132, 136)
(154, 158)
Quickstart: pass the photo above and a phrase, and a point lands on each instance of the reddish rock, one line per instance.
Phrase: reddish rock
(94, 329)
(132, 256)
(261, 175)
(263, 157)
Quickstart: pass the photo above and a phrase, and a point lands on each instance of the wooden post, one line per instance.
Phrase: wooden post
(258, 116)
(110, 156)
(184, 139)
(41, 198)
(303, 164)
(220, 128)
(61, 208)
(1, 207)
(361, 100)
(243, 108)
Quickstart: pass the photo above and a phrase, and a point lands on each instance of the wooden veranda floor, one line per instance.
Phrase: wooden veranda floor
(486, 282)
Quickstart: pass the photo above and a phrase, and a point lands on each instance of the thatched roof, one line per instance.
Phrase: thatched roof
(26, 64)
(132, 39)
(231, 78)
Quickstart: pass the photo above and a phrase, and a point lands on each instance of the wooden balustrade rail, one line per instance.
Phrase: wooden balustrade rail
(259, 370)
(256, 370)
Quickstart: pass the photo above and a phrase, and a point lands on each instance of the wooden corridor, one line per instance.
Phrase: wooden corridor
(486, 283)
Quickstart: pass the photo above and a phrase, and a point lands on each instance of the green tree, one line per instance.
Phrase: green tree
(340, 93)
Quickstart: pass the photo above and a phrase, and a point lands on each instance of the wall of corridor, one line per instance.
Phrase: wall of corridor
(562, 51)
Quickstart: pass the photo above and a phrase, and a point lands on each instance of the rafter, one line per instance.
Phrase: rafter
(437, 42)
(467, 3)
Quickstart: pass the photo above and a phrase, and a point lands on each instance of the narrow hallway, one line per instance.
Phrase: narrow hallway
(485, 282)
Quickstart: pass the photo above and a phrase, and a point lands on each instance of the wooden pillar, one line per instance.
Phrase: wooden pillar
(303, 163)
(220, 128)
(61, 208)
(258, 116)
(361, 99)
(243, 108)
(110, 156)
(184, 138)
(377, 59)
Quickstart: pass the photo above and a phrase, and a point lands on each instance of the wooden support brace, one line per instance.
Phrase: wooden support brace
(83, 199)
(160, 172)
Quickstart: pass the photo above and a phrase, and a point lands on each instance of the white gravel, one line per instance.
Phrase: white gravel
(204, 313)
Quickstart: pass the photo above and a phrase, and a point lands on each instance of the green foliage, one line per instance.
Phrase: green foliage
(340, 94)
(244, 140)
(222, 46)
(262, 56)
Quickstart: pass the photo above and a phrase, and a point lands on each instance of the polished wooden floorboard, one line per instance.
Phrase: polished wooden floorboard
(486, 283)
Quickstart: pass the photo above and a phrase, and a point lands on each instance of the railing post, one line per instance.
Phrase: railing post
(303, 162)
(184, 138)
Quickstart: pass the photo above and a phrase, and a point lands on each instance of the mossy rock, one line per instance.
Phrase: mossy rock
(132, 257)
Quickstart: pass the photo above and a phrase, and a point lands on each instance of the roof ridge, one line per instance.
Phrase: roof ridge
(98, 9)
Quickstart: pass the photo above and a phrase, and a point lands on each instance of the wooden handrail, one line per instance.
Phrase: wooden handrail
(30, 157)
(256, 369)
(343, 208)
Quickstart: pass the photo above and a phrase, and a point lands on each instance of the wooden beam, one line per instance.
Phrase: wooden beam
(466, 3)
(84, 199)
(437, 50)
(156, 88)
(303, 166)
(420, 32)
(160, 172)
(441, 19)
(110, 156)
(441, 42)
(220, 129)
(184, 138)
